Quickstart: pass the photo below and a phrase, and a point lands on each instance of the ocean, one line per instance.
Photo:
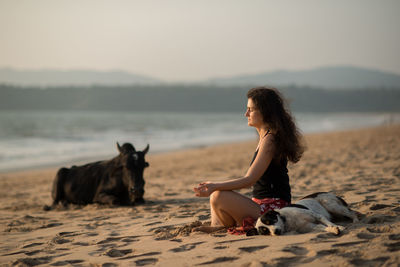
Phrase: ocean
(32, 139)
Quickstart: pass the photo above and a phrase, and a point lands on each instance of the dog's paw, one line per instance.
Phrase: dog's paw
(252, 232)
(334, 229)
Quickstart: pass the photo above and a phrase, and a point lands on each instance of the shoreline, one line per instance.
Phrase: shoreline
(362, 166)
(46, 166)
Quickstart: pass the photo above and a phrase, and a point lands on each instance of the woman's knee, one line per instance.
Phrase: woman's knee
(217, 197)
(214, 197)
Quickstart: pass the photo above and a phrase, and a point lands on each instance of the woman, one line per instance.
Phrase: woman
(279, 142)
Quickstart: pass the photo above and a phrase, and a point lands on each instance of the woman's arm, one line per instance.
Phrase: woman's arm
(256, 170)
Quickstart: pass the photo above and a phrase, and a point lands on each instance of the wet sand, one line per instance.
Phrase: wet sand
(362, 166)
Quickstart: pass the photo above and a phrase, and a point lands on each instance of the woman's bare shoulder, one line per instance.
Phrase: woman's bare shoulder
(267, 144)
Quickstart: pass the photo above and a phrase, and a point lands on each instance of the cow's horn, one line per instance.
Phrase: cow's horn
(119, 148)
(146, 149)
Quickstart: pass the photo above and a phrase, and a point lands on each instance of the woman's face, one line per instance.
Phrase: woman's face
(254, 117)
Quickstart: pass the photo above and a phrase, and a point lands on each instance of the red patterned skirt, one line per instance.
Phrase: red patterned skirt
(266, 204)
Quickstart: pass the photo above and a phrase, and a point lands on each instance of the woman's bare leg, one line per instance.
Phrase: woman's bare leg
(229, 208)
(216, 225)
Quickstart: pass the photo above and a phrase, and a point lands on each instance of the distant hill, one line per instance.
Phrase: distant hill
(181, 98)
(72, 77)
(340, 77)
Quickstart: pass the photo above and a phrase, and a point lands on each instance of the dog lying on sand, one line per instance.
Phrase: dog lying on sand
(313, 212)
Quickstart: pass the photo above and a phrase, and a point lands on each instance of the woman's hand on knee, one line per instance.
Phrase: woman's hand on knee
(204, 189)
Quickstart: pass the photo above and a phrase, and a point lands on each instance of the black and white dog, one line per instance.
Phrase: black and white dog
(313, 212)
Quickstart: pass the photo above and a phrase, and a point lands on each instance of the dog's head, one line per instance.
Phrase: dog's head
(270, 223)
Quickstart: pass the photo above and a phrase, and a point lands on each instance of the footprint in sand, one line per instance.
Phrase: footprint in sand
(28, 253)
(326, 252)
(109, 264)
(113, 253)
(126, 239)
(348, 244)
(203, 217)
(60, 240)
(147, 261)
(67, 262)
(32, 245)
(392, 247)
(108, 247)
(184, 215)
(348, 187)
(296, 250)
(232, 241)
(220, 247)
(374, 262)
(83, 244)
(219, 260)
(186, 247)
(170, 194)
(377, 219)
(32, 261)
(172, 231)
(366, 236)
(252, 249)
(31, 253)
(114, 234)
(108, 240)
(49, 225)
(158, 208)
(219, 234)
(68, 234)
(379, 206)
(397, 209)
(20, 225)
(380, 229)
(207, 210)
(287, 261)
(394, 237)
(140, 255)
(153, 223)
(104, 247)
(368, 199)
(324, 237)
(130, 239)
(176, 240)
(91, 234)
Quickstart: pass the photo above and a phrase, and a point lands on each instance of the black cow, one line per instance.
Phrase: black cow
(118, 181)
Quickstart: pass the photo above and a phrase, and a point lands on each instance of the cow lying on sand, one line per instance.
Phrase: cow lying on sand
(118, 181)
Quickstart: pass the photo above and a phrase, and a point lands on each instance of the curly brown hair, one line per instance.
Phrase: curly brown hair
(272, 106)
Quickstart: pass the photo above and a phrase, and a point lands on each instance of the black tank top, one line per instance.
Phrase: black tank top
(274, 183)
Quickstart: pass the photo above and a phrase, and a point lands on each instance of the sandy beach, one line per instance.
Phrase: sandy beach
(362, 166)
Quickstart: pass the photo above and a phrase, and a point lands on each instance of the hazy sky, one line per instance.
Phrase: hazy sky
(193, 40)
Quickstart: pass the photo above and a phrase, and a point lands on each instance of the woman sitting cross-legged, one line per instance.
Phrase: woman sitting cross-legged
(279, 142)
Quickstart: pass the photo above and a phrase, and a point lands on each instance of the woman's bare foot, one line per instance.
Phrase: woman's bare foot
(208, 229)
